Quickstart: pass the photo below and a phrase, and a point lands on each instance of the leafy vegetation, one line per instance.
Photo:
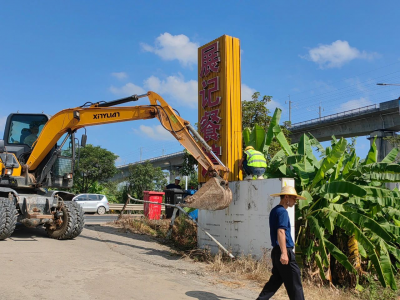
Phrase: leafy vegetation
(96, 164)
(349, 225)
(256, 116)
(144, 177)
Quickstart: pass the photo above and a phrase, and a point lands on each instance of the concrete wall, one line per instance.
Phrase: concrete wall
(244, 226)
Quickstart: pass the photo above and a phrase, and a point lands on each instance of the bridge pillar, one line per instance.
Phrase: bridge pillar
(384, 147)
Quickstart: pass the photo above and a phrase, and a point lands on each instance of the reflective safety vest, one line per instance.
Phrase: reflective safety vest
(255, 159)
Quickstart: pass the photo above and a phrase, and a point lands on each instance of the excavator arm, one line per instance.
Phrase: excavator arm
(215, 194)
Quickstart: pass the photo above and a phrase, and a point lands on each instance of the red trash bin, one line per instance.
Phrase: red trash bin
(152, 211)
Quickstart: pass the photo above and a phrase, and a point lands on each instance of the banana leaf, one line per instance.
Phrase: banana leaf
(385, 261)
(336, 207)
(371, 200)
(391, 157)
(365, 222)
(362, 251)
(293, 159)
(304, 148)
(315, 143)
(303, 173)
(351, 228)
(270, 133)
(376, 192)
(339, 256)
(394, 251)
(319, 264)
(278, 156)
(338, 168)
(282, 140)
(345, 188)
(387, 265)
(349, 163)
(304, 203)
(391, 211)
(372, 156)
(330, 160)
(382, 172)
(329, 223)
(257, 138)
(319, 233)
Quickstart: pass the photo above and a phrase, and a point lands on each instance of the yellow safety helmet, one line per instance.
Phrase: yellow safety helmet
(249, 147)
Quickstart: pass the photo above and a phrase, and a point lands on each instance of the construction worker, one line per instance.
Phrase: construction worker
(30, 139)
(253, 163)
(176, 185)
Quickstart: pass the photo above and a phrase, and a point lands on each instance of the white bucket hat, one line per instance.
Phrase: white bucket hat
(288, 190)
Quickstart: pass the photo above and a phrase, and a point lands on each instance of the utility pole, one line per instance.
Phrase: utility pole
(320, 110)
(140, 153)
(290, 109)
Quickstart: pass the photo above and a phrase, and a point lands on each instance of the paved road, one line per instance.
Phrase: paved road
(102, 263)
(97, 219)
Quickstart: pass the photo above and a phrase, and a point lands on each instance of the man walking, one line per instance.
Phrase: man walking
(284, 267)
(253, 163)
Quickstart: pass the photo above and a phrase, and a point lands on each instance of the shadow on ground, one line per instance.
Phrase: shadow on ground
(115, 231)
(22, 233)
(200, 295)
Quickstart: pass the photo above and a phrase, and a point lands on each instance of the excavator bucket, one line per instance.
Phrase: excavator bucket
(213, 195)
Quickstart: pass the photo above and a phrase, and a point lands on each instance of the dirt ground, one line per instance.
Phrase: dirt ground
(104, 263)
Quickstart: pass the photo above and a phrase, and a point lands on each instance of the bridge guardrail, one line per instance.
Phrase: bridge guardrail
(341, 115)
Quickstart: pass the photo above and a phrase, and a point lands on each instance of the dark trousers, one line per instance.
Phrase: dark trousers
(288, 274)
(252, 170)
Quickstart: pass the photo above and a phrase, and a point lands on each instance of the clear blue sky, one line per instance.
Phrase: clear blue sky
(60, 54)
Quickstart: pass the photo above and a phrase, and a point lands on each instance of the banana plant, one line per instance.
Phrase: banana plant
(346, 200)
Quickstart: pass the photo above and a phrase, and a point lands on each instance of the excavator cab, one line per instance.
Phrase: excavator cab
(20, 134)
(21, 130)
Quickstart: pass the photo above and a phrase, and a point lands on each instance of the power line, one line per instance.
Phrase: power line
(341, 80)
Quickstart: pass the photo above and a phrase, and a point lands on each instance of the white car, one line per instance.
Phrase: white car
(92, 203)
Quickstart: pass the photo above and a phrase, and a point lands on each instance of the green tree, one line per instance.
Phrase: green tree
(255, 114)
(255, 111)
(189, 165)
(96, 164)
(144, 177)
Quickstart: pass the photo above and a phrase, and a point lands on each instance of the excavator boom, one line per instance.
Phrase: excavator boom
(214, 195)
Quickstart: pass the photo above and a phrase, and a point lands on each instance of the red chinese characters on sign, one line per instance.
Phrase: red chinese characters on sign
(205, 93)
(210, 59)
(209, 124)
(210, 121)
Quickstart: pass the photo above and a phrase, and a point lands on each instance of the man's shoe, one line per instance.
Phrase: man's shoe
(248, 177)
(260, 177)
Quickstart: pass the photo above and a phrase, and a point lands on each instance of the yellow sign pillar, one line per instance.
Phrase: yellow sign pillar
(220, 111)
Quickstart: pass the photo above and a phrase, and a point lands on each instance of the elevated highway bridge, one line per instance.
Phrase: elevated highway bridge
(380, 120)
(171, 162)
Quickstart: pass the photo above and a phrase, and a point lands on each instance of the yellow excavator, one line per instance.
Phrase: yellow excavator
(38, 152)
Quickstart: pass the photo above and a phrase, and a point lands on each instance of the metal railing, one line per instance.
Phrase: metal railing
(152, 159)
(117, 206)
(341, 115)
